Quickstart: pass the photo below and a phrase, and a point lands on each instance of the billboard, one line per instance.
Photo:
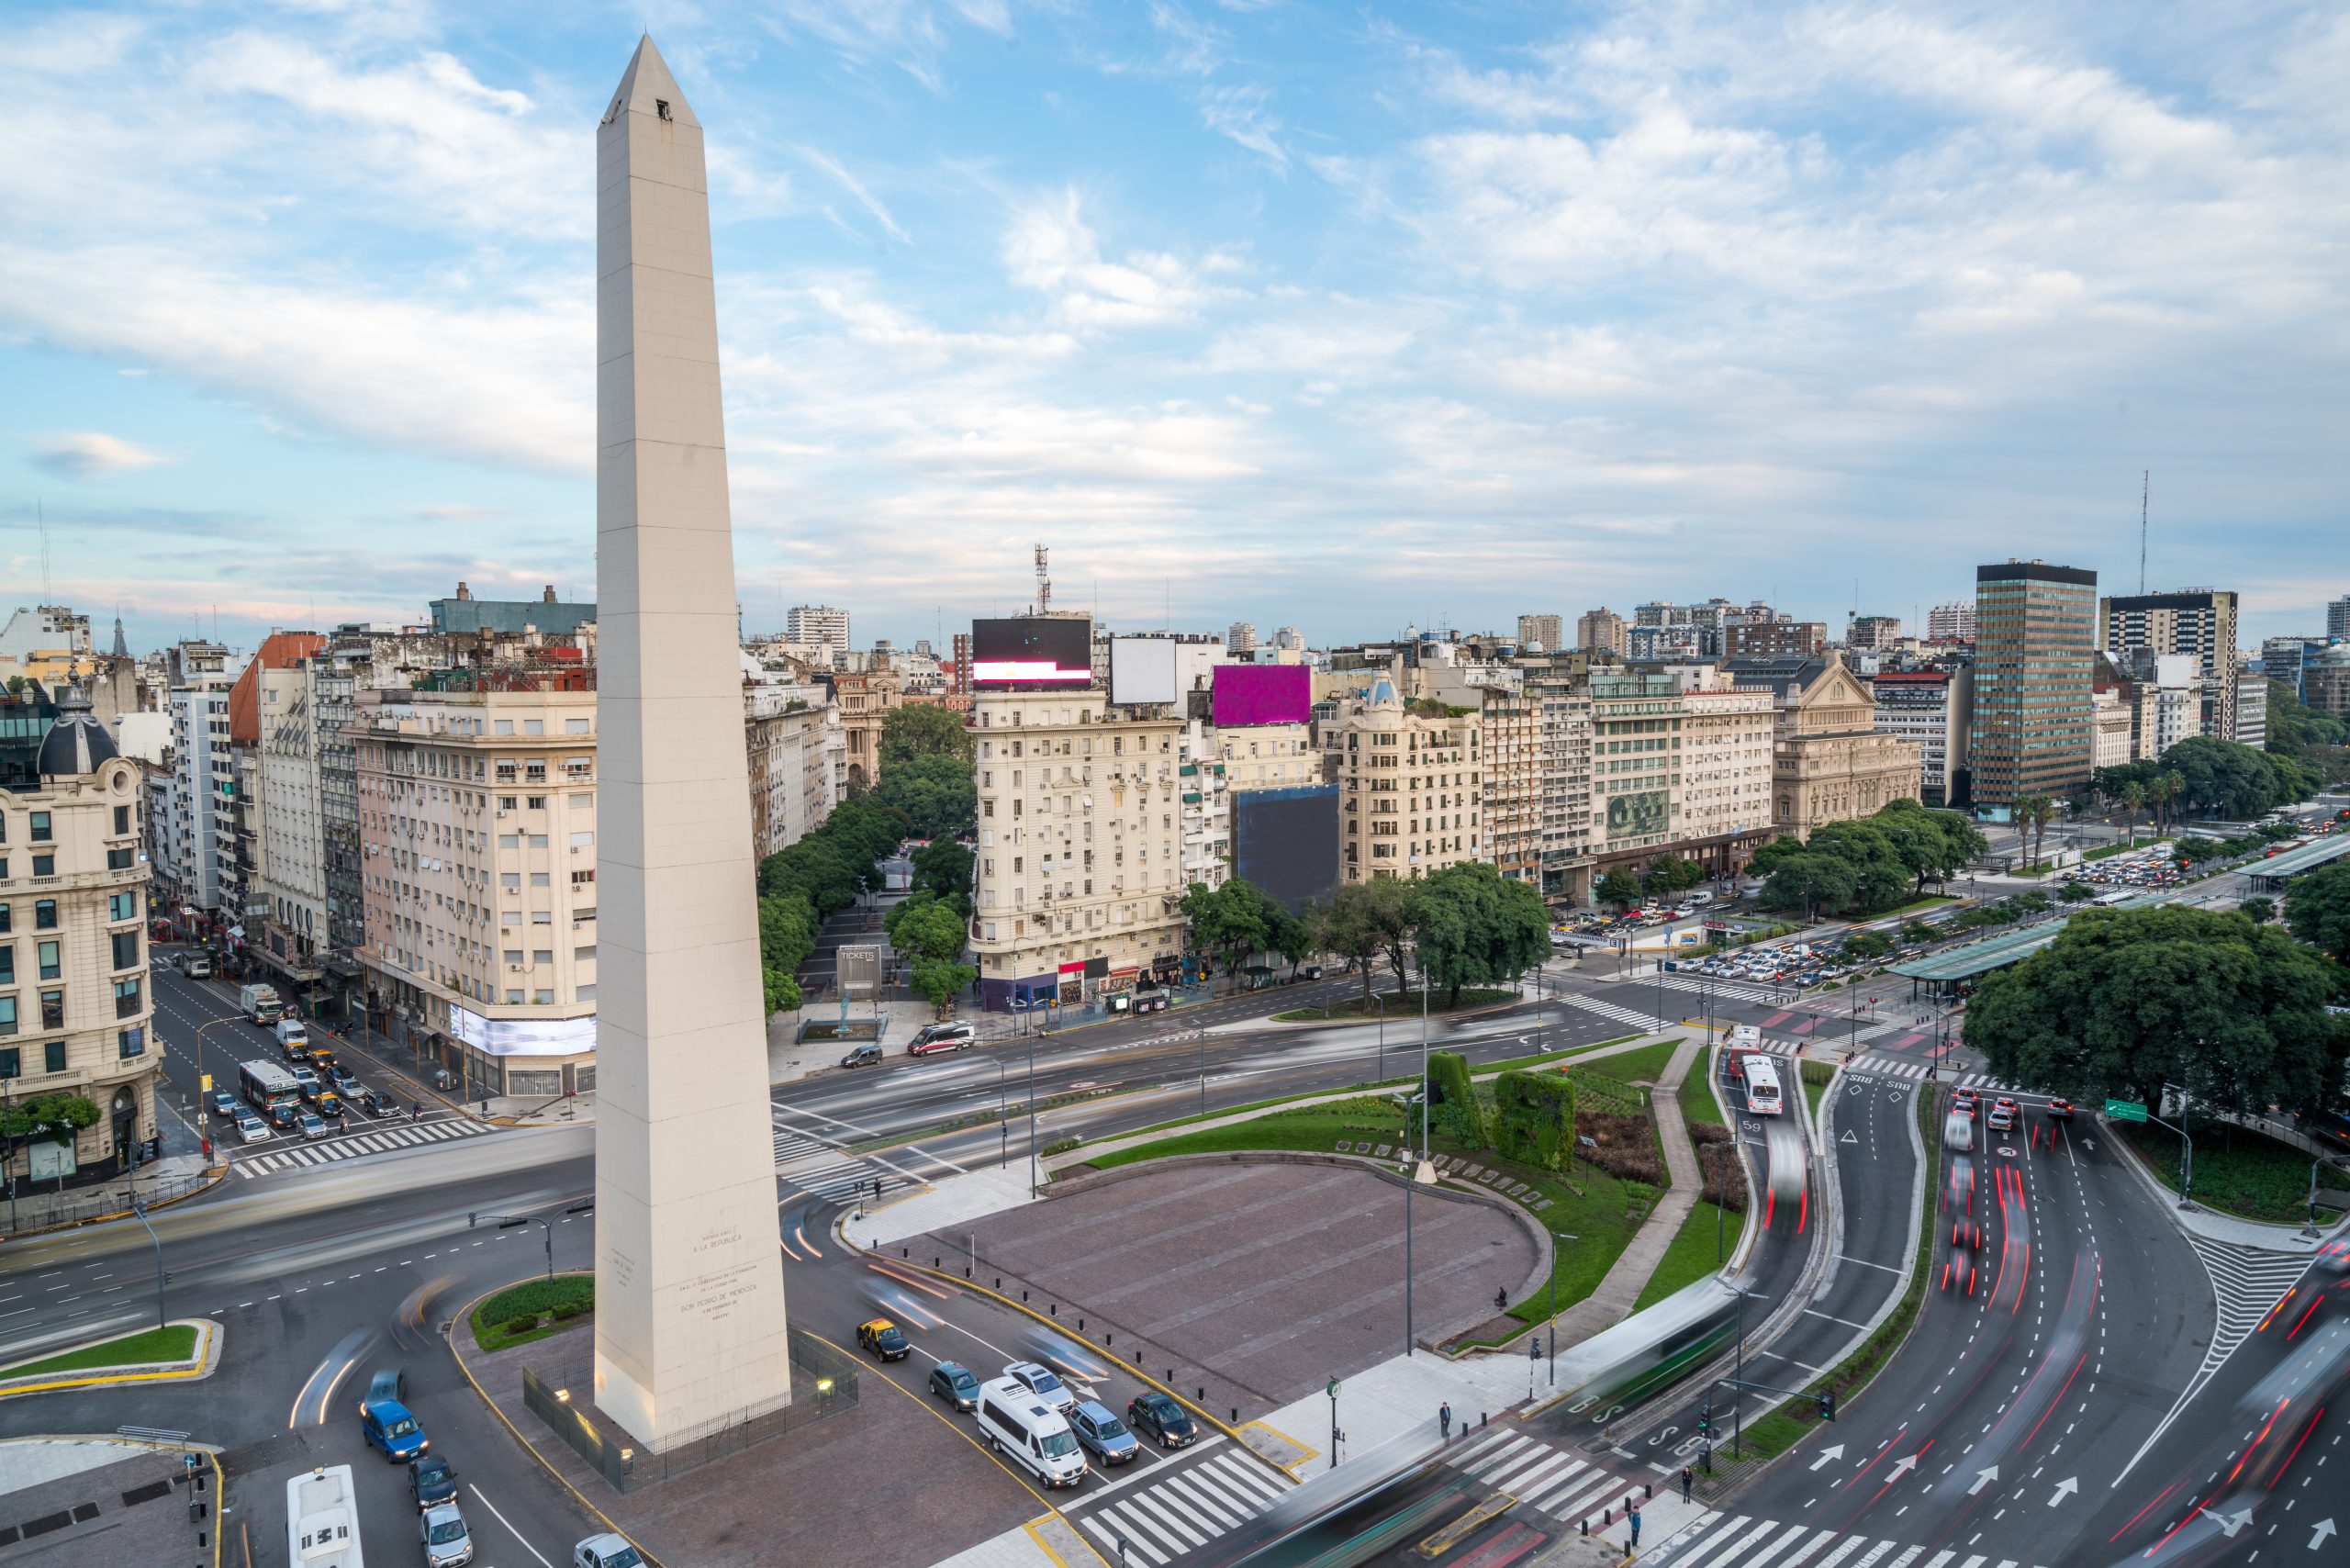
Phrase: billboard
(1142, 669)
(1634, 816)
(1262, 694)
(1286, 841)
(1041, 653)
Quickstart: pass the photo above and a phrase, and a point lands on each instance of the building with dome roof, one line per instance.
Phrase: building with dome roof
(74, 1000)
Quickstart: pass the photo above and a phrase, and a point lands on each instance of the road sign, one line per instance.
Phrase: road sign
(204, 1084)
(2124, 1110)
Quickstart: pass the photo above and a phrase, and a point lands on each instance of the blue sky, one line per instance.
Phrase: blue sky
(1340, 317)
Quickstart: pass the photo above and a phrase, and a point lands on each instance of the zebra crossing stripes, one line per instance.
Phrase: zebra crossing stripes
(350, 1144)
(1549, 1480)
(1742, 1540)
(1891, 1067)
(1648, 1022)
(1178, 1506)
(2247, 1284)
(834, 1177)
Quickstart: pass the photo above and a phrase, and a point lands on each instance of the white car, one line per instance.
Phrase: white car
(606, 1550)
(447, 1542)
(251, 1128)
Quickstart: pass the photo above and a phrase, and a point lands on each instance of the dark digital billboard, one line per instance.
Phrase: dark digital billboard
(1286, 843)
(1038, 653)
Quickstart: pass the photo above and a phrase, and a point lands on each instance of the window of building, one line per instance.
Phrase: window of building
(542, 998)
(131, 1042)
(501, 727)
(584, 800)
(126, 949)
(541, 917)
(7, 965)
(52, 1010)
(534, 726)
(121, 859)
(511, 881)
(12, 1062)
(514, 956)
(538, 878)
(513, 998)
(535, 802)
(52, 967)
(45, 915)
(44, 865)
(575, 726)
(38, 827)
(509, 841)
(122, 819)
(538, 841)
(583, 839)
(52, 1055)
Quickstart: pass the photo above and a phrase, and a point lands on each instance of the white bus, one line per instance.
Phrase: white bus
(1762, 1095)
(264, 1084)
(322, 1519)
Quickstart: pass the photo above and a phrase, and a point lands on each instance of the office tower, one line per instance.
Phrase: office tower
(2034, 633)
(1544, 631)
(2200, 623)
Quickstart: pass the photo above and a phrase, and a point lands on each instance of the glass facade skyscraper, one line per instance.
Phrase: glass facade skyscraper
(2035, 635)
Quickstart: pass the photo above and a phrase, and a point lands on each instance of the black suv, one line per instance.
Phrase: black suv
(1155, 1416)
(431, 1480)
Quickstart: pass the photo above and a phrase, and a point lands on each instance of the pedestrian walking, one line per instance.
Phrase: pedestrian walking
(1501, 1301)
(1444, 1419)
(1632, 1518)
(1688, 1480)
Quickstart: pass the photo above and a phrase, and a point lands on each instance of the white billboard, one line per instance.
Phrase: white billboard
(1142, 669)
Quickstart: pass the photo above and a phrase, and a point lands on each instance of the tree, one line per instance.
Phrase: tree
(1366, 919)
(1458, 1111)
(1931, 844)
(787, 930)
(54, 1115)
(783, 991)
(2317, 910)
(1229, 922)
(1918, 931)
(2133, 799)
(1866, 945)
(2260, 910)
(2033, 814)
(2076, 893)
(925, 926)
(943, 868)
(1810, 883)
(939, 980)
(815, 869)
(2125, 1001)
(923, 729)
(2230, 780)
(1477, 927)
(1296, 937)
(1670, 874)
(1619, 889)
(938, 794)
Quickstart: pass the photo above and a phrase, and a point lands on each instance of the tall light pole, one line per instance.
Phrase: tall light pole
(162, 1278)
(1556, 1235)
(1033, 1171)
(1380, 1003)
(1738, 1407)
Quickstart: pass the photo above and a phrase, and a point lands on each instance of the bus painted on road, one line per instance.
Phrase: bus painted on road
(265, 1083)
(1762, 1097)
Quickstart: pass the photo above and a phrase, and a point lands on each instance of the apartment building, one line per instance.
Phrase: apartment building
(1776, 639)
(1871, 633)
(820, 624)
(1078, 871)
(1540, 634)
(1602, 630)
(2252, 707)
(2199, 624)
(1215, 764)
(477, 796)
(1410, 778)
(1933, 711)
(2036, 636)
(2325, 683)
(796, 748)
(1951, 623)
(1509, 723)
(75, 1006)
(2114, 719)
(1680, 767)
(1559, 692)
(191, 837)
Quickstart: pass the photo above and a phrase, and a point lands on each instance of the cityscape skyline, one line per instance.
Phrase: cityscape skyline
(1423, 298)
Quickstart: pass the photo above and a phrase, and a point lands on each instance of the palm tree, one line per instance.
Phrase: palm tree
(2133, 796)
(2034, 812)
(2174, 785)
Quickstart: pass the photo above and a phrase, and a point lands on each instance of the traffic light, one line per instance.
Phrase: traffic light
(1705, 1424)
(1827, 1405)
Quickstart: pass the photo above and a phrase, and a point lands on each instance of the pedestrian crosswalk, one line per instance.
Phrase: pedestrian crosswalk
(1721, 1539)
(1894, 1067)
(1546, 1480)
(1647, 1023)
(353, 1143)
(820, 1168)
(1177, 1505)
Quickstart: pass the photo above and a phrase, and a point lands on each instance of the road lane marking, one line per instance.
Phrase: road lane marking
(509, 1524)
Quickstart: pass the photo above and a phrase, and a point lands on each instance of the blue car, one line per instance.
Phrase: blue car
(387, 1425)
(1104, 1433)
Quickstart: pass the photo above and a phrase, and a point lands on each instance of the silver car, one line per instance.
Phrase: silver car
(447, 1542)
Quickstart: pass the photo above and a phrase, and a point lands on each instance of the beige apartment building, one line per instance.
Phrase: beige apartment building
(477, 842)
(74, 1004)
(795, 746)
(1559, 692)
(1409, 786)
(1602, 630)
(1215, 764)
(1677, 770)
(1080, 866)
(1509, 723)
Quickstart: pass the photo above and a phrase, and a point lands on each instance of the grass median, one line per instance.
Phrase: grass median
(173, 1342)
(1698, 1247)
(2237, 1170)
(531, 1310)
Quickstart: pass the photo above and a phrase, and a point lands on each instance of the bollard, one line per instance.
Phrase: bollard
(1108, 1338)
(999, 1282)
(967, 1271)
(1170, 1375)
(1482, 1419)
(1606, 1516)
(1081, 1325)
(1585, 1522)
(1024, 1295)
(1236, 1414)
(1647, 1489)
(934, 1262)
(902, 1251)
(1054, 1308)
(1200, 1395)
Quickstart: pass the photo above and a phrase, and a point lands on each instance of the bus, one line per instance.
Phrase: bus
(1762, 1085)
(322, 1518)
(265, 1083)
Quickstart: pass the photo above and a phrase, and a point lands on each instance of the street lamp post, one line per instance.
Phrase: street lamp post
(161, 1277)
(1002, 1116)
(2186, 1151)
(1032, 1115)
(1380, 1003)
(1738, 1408)
(1556, 1235)
(2309, 1231)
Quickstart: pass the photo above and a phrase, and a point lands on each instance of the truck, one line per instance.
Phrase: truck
(260, 1003)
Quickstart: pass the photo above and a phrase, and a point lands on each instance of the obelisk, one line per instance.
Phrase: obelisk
(689, 1329)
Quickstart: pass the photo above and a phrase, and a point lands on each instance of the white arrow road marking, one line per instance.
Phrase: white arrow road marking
(1984, 1478)
(1827, 1454)
(2317, 1535)
(1907, 1462)
(2230, 1523)
(2066, 1488)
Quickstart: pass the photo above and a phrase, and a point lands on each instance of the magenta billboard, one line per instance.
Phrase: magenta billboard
(1261, 694)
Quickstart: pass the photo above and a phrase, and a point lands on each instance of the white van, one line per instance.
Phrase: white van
(1699, 900)
(290, 1033)
(1017, 1423)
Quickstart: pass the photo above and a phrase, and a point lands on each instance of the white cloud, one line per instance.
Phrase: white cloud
(91, 454)
(1051, 249)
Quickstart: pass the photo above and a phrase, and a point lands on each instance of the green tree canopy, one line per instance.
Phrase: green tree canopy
(1810, 883)
(56, 1115)
(2317, 909)
(1619, 888)
(1478, 927)
(923, 729)
(936, 794)
(926, 925)
(813, 869)
(2293, 726)
(2233, 781)
(937, 980)
(1366, 919)
(943, 868)
(1670, 874)
(1229, 922)
(2125, 1001)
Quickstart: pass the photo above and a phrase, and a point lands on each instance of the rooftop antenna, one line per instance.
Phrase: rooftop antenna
(2145, 488)
(1044, 583)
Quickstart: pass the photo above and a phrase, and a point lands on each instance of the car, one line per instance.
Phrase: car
(431, 1480)
(1102, 1433)
(375, 1103)
(286, 1116)
(1162, 1419)
(224, 1105)
(447, 1542)
(1958, 1272)
(1965, 1231)
(957, 1384)
(313, 1125)
(2002, 1118)
(2058, 1110)
(388, 1425)
(344, 1083)
(251, 1128)
(1043, 1383)
(1962, 1186)
(606, 1550)
(865, 1055)
(1963, 1099)
(952, 1036)
(304, 1079)
(884, 1339)
(329, 1105)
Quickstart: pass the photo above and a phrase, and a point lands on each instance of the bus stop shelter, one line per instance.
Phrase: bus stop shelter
(2270, 876)
(1939, 974)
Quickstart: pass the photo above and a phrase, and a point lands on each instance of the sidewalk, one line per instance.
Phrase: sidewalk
(2199, 1221)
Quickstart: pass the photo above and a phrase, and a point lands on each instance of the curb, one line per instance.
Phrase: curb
(215, 1175)
(199, 1367)
(458, 1324)
(2289, 1238)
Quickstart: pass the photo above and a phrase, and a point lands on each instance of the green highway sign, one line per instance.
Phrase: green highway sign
(2124, 1110)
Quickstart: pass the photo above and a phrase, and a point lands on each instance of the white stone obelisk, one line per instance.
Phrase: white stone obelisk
(690, 1327)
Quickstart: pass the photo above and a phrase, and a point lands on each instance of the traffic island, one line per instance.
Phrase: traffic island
(737, 1496)
(181, 1351)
